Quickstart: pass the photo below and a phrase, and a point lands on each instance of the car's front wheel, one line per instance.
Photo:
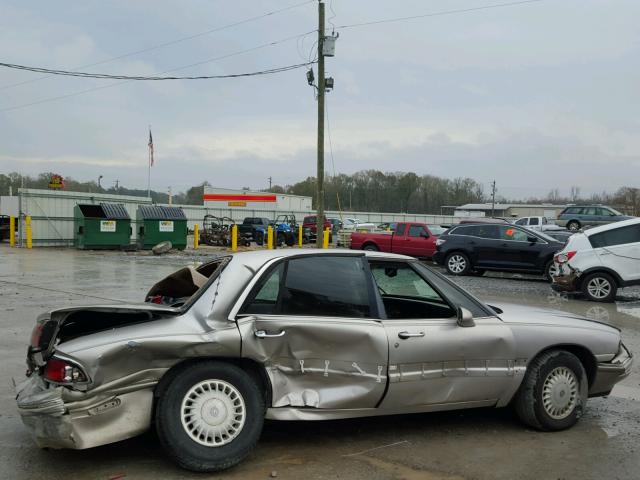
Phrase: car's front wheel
(370, 248)
(457, 264)
(599, 287)
(554, 391)
(210, 416)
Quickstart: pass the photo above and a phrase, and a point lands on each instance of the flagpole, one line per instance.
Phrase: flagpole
(149, 167)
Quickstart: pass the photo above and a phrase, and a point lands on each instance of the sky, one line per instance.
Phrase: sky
(537, 96)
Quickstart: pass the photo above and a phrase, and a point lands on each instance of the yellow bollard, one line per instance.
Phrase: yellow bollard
(270, 237)
(234, 238)
(299, 235)
(12, 231)
(29, 232)
(196, 237)
(325, 239)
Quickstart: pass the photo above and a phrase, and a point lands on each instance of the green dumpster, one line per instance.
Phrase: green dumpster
(158, 224)
(105, 226)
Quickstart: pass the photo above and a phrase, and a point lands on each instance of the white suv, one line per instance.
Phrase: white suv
(600, 260)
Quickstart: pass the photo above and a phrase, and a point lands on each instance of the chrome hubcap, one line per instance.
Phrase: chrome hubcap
(574, 227)
(599, 287)
(213, 413)
(457, 264)
(560, 393)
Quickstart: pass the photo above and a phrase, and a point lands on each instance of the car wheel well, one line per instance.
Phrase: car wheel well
(585, 356)
(612, 273)
(254, 369)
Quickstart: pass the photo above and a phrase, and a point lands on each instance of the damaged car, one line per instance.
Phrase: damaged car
(301, 335)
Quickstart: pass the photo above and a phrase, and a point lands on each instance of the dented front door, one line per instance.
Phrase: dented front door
(319, 362)
(436, 361)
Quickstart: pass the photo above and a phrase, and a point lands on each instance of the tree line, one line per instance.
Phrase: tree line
(366, 190)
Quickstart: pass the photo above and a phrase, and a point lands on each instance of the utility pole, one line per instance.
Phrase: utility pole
(117, 182)
(321, 92)
(270, 179)
(170, 197)
(493, 199)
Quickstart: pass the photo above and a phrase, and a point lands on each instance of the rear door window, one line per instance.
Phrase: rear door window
(490, 232)
(400, 229)
(617, 236)
(326, 286)
(534, 221)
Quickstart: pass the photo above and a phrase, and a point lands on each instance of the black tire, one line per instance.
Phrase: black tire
(457, 263)
(573, 225)
(371, 248)
(548, 268)
(259, 239)
(280, 239)
(545, 374)
(178, 443)
(599, 287)
(290, 240)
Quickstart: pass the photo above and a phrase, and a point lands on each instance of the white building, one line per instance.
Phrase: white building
(246, 199)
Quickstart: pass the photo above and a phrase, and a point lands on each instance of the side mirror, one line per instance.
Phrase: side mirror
(532, 239)
(424, 235)
(465, 318)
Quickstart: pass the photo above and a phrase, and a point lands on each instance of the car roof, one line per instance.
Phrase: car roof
(611, 226)
(255, 259)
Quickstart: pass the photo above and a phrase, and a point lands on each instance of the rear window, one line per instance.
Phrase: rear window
(617, 236)
(400, 229)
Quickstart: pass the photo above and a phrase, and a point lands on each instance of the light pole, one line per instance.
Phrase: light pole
(99, 178)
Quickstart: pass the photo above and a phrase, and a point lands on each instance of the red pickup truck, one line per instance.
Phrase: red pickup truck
(408, 238)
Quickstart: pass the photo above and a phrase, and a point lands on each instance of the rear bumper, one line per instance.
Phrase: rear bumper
(610, 373)
(567, 280)
(80, 424)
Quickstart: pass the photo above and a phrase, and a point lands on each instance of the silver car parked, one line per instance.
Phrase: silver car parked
(301, 335)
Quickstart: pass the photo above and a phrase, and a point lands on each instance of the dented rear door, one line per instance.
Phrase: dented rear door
(319, 362)
(311, 322)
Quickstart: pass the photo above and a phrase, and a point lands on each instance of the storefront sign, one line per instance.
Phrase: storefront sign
(56, 182)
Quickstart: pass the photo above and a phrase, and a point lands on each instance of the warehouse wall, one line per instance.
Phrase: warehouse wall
(52, 214)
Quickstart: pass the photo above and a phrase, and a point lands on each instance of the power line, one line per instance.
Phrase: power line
(101, 87)
(171, 42)
(147, 78)
(437, 14)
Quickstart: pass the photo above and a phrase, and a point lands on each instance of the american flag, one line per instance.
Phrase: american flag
(150, 149)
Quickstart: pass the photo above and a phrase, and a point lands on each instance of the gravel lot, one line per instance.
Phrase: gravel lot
(477, 444)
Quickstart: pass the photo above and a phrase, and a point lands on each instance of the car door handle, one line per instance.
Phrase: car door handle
(405, 335)
(264, 334)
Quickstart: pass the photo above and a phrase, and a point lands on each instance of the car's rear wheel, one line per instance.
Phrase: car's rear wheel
(210, 416)
(599, 287)
(370, 248)
(573, 225)
(554, 391)
(457, 264)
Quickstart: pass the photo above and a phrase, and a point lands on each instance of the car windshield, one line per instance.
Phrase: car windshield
(437, 229)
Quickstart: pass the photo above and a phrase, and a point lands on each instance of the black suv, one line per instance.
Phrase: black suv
(473, 249)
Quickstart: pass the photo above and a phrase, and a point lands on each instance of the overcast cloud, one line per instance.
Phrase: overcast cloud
(537, 96)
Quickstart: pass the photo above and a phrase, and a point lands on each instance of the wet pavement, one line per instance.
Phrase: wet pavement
(472, 444)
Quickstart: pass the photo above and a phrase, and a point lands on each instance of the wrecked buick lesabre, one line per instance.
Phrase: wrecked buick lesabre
(301, 335)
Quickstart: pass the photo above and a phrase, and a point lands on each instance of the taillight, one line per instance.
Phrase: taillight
(565, 257)
(36, 334)
(440, 241)
(62, 371)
